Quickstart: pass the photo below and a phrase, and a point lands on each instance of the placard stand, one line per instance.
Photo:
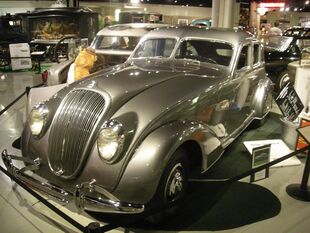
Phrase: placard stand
(302, 191)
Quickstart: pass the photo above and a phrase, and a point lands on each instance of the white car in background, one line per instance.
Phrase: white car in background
(112, 45)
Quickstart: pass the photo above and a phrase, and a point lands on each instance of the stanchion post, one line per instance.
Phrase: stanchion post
(305, 176)
(93, 227)
(302, 191)
(28, 90)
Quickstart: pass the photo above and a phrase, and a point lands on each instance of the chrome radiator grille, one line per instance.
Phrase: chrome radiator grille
(71, 130)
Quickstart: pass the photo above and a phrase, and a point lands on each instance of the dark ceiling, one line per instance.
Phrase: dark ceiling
(298, 5)
(202, 3)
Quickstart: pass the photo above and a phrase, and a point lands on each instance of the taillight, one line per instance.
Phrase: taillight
(44, 76)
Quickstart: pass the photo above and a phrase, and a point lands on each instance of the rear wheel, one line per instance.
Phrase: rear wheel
(172, 187)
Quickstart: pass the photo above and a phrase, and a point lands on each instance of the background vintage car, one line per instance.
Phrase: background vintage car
(112, 45)
(128, 138)
(282, 50)
(9, 34)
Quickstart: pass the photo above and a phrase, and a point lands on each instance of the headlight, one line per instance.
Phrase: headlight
(110, 141)
(37, 118)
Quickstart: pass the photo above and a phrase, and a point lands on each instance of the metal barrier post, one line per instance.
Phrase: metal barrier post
(302, 191)
(93, 227)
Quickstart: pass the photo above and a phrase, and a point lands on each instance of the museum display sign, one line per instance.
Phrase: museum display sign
(301, 142)
(289, 102)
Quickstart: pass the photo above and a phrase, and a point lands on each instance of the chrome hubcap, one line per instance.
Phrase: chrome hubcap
(175, 183)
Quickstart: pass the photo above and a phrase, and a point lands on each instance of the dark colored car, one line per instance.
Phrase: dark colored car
(282, 50)
(10, 33)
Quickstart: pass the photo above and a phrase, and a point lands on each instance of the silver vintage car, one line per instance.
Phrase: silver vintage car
(130, 137)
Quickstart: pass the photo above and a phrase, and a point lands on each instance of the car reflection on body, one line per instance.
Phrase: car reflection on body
(112, 45)
(129, 137)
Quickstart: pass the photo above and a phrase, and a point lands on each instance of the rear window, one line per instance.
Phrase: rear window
(116, 42)
(159, 47)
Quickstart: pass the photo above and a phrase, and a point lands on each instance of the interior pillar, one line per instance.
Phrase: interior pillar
(223, 13)
(215, 12)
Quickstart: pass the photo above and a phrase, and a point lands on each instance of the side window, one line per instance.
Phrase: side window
(256, 53)
(186, 50)
(243, 57)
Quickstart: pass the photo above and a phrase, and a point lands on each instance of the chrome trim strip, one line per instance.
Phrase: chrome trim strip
(87, 196)
(70, 143)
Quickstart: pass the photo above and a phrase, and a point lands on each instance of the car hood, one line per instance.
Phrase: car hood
(125, 81)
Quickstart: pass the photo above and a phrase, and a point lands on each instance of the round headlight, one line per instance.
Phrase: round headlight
(37, 119)
(110, 141)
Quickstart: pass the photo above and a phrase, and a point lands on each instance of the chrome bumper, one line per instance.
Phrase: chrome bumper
(87, 196)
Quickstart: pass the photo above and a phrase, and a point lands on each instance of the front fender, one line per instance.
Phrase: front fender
(142, 174)
(40, 94)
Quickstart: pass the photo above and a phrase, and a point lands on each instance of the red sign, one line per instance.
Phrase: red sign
(272, 5)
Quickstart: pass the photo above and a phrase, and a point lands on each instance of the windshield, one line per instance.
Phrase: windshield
(303, 44)
(205, 51)
(115, 42)
(280, 43)
(158, 47)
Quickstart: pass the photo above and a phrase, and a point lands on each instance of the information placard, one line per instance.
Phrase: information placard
(289, 102)
(260, 156)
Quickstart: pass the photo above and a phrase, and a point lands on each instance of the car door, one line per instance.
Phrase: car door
(257, 72)
(234, 93)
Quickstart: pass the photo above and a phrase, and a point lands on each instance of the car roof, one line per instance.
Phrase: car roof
(232, 36)
(130, 29)
(299, 32)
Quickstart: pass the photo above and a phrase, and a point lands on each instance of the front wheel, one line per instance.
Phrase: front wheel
(172, 187)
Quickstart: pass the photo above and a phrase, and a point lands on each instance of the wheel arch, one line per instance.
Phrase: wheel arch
(194, 154)
(261, 99)
(149, 161)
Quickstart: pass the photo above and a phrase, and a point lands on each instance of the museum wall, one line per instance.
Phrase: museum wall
(171, 13)
(291, 18)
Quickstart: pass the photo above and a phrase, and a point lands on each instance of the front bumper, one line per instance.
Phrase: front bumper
(86, 196)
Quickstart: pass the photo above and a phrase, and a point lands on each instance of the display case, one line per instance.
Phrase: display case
(47, 26)
(10, 33)
(140, 17)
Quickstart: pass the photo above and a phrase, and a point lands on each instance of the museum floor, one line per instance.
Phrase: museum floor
(263, 206)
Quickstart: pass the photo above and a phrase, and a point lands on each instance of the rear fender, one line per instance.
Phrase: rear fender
(263, 98)
(58, 73)
(143, 172)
